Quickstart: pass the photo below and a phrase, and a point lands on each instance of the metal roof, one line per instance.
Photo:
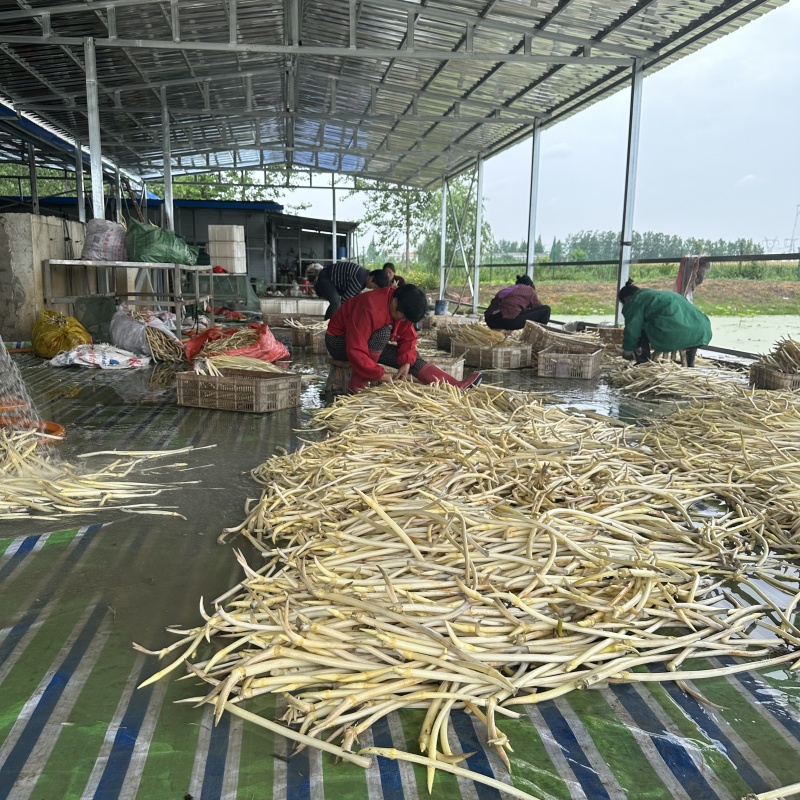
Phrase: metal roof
(393, 90)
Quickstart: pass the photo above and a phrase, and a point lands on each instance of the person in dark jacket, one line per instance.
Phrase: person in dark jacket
(339, 282)
(513, 306)
(362, 328)
(394, 278)
(665, 321)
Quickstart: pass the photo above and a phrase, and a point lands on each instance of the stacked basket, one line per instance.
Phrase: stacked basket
(562, 355)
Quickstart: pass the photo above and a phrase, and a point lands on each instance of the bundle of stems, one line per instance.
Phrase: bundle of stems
(241, 338)
(33, 486)
(482, 335)
(213, 365)
(784, 357)
(665, 379)
(163, 347)
(479, 551)
(307, 326)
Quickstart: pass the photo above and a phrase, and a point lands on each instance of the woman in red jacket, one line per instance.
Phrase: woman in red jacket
(513, 306)
(360, 332)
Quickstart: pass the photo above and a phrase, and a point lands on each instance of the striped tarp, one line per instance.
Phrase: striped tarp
(73, 724)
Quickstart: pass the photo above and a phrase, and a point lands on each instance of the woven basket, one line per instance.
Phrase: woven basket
(762, 377)
(239, 390)
(541, 338)
(503, 357)
(552, 364)
(610, 337)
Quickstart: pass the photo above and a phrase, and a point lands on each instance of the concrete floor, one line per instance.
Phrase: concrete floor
(76, 593)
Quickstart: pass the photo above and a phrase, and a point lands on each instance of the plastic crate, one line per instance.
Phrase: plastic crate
(552, 364)
(430, 321)
(312, 307)
(762, 377)
(279, 320)
(226, 233)
(541, 338)
(279, 305)
(239, 390)
(449, 364)
(317, 342)
(452, 365)
(513, 356)
(301, 337)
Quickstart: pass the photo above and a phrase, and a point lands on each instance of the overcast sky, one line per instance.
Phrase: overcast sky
(719, 150)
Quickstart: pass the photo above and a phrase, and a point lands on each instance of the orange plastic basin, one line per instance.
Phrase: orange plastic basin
(52, 429)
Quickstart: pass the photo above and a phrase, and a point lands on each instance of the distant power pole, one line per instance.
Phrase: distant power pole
(791, 241)
(770, 244)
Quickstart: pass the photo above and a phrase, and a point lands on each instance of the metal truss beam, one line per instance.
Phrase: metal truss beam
(371, 53)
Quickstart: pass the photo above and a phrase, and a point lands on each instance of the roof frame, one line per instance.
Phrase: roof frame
(396, 90)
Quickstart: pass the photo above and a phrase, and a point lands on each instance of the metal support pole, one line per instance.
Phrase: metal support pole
(80, 195)
(634, 124)
(95, 145)
(535, 149)
(443, 245)
(32, 173)
(476, 287)
(334, 255)
(118, 195)
(169, 211)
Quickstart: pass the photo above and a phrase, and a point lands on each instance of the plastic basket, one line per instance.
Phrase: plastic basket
(239, 390)
(513, 356)
(541, 338)
(446, 320)
(279, 320)
(762, 377)
(312, 307)
(309, 338)
(317, 342)
(279, 305)
(552, 364)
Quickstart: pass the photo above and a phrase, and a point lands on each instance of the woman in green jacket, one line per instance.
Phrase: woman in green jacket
(665, 321)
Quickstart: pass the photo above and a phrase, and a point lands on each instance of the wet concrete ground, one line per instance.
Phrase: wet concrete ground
(126, 581)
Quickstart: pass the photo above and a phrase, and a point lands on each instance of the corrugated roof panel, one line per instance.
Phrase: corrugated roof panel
(425, 87)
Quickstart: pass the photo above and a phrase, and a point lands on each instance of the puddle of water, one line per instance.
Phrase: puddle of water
(757, 334)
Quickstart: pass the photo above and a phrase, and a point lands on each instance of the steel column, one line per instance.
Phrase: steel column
(79, 190)
(169, 211)
(95, 144)
(634, 124)
(476, 283)
(443, 244)
(535, 149)
(118, 195)
(32, 173)
(334, 256)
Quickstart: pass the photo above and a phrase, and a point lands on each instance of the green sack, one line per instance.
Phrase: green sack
(154, 244)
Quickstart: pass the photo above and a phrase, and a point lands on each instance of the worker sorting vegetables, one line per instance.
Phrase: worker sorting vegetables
(665, 321)
(361, 331)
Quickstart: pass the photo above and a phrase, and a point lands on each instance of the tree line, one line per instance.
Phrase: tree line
(408, 221)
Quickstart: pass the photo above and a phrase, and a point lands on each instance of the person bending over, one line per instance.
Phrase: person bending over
(362, 328)
(339, 282)
(513, 306)
(665, 321)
